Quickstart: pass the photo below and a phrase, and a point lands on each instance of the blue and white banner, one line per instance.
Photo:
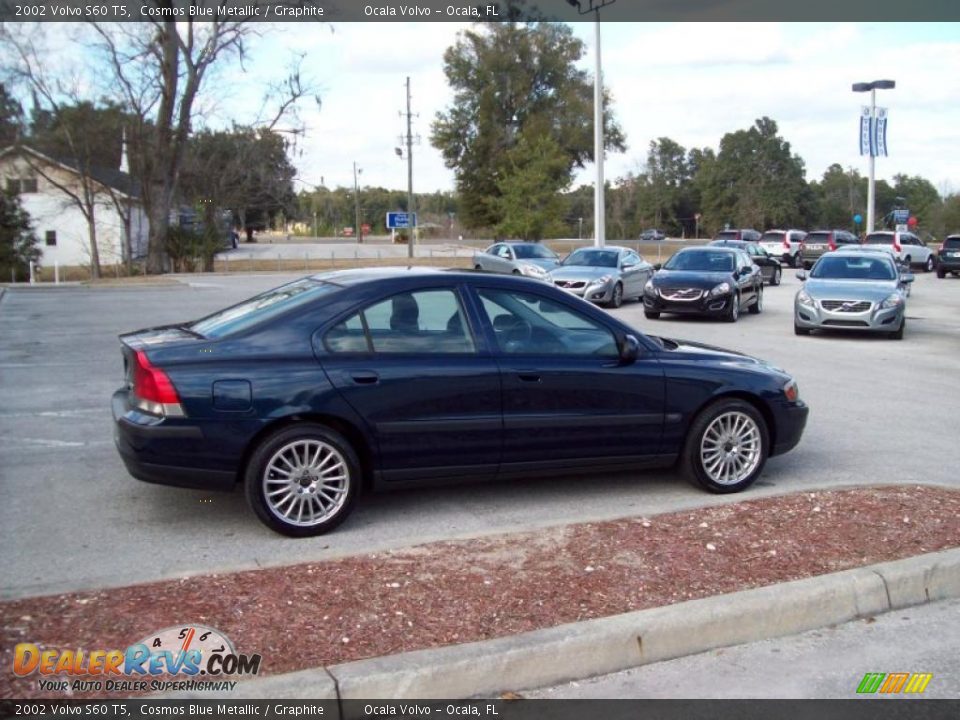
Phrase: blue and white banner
(880, 132)
(865, 131)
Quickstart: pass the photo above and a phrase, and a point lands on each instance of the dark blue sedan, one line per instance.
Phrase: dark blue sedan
(359, 379)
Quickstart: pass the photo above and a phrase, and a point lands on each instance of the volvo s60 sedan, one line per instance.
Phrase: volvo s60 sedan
(517, 258)
(711, 281)
(850, 290)
(369, 379)
(607, 275)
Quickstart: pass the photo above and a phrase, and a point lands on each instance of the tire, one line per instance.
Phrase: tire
(797, 330)
(929, 265)
(733, 313)
(941, 273)
(517, 272)
(795, 261)
(757, 306)
(478, 268)
(704, 461)
(281, 452)
(775, 280)
(907, 261)
(898, 333)
(651, 314)
(616, 300)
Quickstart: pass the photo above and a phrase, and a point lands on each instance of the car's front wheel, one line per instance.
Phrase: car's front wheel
(775, 280)
(898, 333)
(726, 447)
(929, 264)
(616, 300)
(651, 314)
(303, 480)
(732, 313)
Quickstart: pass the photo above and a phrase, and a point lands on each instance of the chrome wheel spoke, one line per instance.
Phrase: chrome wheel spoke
(730, 448)
(306, 482)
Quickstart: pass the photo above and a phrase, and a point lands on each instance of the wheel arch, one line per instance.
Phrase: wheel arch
(351, 432)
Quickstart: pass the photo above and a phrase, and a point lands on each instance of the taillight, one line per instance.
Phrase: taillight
(786, 242)
(896, 244)
(831, 242)
(943, 246)
(153, 390)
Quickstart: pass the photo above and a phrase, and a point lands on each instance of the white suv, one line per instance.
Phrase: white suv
(909, 249)
(783, 244)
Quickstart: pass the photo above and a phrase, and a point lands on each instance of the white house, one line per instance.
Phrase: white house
(45, 184)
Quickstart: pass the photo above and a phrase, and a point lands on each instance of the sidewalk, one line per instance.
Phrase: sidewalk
(514, 611)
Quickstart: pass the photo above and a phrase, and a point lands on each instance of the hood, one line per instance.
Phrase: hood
(581, 272)
(873, 290)
(691, 349)
(686, 278)
(545, 263)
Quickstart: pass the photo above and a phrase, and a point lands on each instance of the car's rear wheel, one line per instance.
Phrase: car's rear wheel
(726, 447)
(757, 306)
(303, 480)
(928, 266)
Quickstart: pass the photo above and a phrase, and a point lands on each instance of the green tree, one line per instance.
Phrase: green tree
(11, 118)
(919, 196)
(755, 181)
(18, 244)
(513, 80)
(529, 202)
(841, 194)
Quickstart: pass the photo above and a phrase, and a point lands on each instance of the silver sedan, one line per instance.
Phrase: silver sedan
(852, 291)
(517, 258)
(606, 275)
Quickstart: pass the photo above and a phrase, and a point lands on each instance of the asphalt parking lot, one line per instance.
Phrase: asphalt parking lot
(73, 518)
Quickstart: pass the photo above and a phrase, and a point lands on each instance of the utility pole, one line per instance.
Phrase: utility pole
(356, 203)
(410, 207)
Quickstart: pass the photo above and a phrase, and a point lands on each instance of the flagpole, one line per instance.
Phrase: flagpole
(870, 184)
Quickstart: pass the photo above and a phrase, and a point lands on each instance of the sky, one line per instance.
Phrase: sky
(687, 81)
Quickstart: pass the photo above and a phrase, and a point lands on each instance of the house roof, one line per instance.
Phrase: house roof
(121, 182)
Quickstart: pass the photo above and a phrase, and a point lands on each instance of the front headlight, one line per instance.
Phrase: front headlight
(648, 287)
(791, 390)
(533, 270)
(601, 280)
(721, 289)
(803, 297)
(893, 300)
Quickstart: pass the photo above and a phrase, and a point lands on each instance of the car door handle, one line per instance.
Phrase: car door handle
(528, 375)
(365, 377)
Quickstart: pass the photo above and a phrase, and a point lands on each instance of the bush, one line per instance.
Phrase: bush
(18, 244)
(193, 250)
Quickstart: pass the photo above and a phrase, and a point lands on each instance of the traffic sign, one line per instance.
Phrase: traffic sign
(901, 215)
(400, 220)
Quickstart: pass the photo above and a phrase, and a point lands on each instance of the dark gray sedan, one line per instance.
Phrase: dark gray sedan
(853, 291)
(606, 275)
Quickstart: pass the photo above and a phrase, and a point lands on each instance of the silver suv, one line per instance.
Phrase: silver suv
(784, 244)
(909, 249)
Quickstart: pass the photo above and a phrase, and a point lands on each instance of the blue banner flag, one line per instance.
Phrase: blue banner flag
(880, 132)
(865, 131)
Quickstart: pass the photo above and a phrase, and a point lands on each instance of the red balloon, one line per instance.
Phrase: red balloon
(912, 222)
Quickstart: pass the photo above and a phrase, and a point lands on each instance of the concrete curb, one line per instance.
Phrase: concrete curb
(605, 645)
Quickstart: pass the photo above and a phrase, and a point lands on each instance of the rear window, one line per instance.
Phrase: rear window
(952, 242)
(879, 239)
(262, 307)
(728, 235)
(774, 236)
(817, 237)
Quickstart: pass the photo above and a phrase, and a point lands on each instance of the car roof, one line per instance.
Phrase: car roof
(355, 276)
(730, 243)
(618, 248)
(713, 248)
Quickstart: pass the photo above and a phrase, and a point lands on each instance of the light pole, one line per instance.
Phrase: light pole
(872, 87)
(599, 208)
(356, 202)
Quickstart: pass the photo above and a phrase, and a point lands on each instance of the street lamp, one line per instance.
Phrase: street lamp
(599, 209)
(872, 87)
(356, 202)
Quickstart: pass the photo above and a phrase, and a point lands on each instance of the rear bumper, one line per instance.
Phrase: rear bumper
(949, 264)
(144, 444)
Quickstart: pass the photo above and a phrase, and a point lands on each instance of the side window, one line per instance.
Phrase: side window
(526, 324)
(426, 321)
(492, 250)
(504, 252)
(633, 259)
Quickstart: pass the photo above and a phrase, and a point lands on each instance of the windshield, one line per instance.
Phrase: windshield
(589, 257)
(831, 267)
(879, 239)
(701, 261)
(263, 306)
(529, 251)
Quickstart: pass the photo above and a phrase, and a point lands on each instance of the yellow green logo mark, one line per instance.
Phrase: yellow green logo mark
(891, 683)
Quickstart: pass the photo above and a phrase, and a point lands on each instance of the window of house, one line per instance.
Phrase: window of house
(16, 186)
(51, 238)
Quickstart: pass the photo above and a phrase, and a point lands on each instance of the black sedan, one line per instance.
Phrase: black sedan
(712, 281)
(769, 265)
(369, 379)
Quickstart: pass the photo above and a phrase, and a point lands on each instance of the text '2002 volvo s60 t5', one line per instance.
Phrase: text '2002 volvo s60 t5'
(357, 379)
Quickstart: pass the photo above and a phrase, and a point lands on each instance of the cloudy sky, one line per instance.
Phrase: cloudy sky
(691, 82)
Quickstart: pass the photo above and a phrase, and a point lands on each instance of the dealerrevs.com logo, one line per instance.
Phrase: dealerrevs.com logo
(191, 657)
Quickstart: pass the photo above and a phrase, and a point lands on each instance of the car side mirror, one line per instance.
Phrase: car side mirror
(801, 274)
(629, 349)
(907, 278)
(658, 266)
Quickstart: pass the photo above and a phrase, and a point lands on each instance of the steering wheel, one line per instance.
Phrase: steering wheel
(517, 336)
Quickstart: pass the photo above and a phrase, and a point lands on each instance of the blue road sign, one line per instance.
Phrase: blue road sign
(901, 215)
(401, 220)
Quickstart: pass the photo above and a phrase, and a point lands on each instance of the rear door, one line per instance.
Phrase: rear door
(414, 369)
(566, 397)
